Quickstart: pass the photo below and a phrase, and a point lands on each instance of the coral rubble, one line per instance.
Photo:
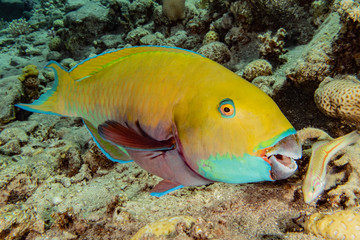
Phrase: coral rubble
(19, 220)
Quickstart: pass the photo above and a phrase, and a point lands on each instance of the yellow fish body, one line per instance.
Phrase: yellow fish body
(177, 114)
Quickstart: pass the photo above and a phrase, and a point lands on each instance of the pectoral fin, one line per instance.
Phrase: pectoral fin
(123, 136)
(111, 151)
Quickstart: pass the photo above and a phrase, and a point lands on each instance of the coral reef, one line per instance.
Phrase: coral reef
(339, 97)
(339, 225)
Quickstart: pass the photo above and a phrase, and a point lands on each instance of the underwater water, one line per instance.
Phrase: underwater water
(56, 177)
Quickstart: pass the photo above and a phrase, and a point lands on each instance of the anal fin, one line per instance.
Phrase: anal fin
(164, 187)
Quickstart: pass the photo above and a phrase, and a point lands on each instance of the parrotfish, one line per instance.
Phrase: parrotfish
(322, 152)
(177, 114)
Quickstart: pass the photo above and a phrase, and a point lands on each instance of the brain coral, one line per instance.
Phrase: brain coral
(340, 225)
(339, 98)
(259, 67)
(210, 37)
(216, 51)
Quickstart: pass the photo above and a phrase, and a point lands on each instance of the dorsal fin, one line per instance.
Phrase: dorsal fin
(95, 64)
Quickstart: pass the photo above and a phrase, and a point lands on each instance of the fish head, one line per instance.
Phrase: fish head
(236, 134)
(312, 188)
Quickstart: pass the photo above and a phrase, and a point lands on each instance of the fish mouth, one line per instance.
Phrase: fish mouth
(282, 157)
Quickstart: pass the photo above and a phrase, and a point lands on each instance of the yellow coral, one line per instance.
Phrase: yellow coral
(163, 226)
(339, 225)
(29, 71)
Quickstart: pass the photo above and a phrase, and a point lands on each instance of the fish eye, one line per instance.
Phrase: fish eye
(227, 108)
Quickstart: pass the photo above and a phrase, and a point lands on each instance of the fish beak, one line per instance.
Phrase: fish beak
(281, 157)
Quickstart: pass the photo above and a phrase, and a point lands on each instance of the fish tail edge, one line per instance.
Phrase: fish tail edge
(48, 102)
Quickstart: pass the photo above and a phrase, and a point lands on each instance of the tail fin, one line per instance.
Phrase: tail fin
(51, 102)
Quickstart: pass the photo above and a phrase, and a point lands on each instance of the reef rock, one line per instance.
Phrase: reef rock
(17, 221)
(163, 227)
(315, 63)
(10, 92)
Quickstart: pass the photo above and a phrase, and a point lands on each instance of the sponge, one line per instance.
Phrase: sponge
(174, 9)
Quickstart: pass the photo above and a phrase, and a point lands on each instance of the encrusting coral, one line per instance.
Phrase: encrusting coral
(344, 224)
(339, 97)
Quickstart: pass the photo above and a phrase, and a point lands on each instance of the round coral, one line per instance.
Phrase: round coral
(257, 68)
(210, 36)
(339, 98)
(216, 51)
(340, 225)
